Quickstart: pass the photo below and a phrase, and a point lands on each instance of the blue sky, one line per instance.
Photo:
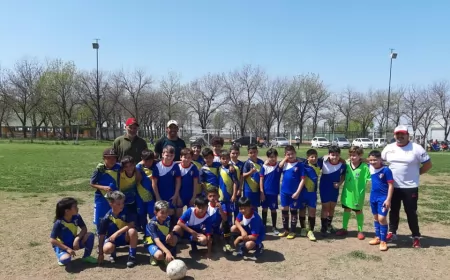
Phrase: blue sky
(346, 42)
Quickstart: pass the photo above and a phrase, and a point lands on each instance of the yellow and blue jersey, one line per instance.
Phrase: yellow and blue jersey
(66, 231)
(312, 173)
(210, 175)
(156, 230)
(226, 181)
(127, 185)
(144, 188)
(251, 183)
(111, 223)
(106, 177)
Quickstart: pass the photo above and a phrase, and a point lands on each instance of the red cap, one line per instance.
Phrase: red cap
(131, 121)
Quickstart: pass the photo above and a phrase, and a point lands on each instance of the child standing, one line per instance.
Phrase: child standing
(251, 170)
(64, 237)
(239, 167)
(217, 144)
(210, 171)
(354, 191)
(380, 197)
(189, 178)
(145, 196)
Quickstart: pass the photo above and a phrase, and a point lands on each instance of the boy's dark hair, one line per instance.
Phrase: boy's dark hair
(252, 147)
(206, 152)
(272, 152)
(147, 155)
(216, 140)
(289, 148)
(114, 196)
(169, 149)
(244, 202)
(186, 151)
(375, 154)
(196, 144)
(234, 148)
(126, 159)
(334, 149)
(224, 153)
(355, 149)
(201, 201)
(212, 189)
(160, 205)
(63, 205)
(311, 152)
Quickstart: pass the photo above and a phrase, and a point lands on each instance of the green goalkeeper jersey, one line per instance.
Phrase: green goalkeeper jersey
(354, 190)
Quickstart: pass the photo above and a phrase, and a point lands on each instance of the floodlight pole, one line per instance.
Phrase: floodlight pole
(96, 46)
(393, 56)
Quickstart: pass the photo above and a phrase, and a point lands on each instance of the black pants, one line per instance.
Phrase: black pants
(409, 198)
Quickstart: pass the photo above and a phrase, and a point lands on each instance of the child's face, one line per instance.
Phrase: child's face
(246, 210)
(291, 156)
(224, 160)
(209, 159)
(117, 206)
(186, 159)
(162, 215)
(213, 197)
(147, 162)
(129, 168)
(217, 149)
(355, 158)
(110, 161)
(168, 157)
(334, 157)
(196, 150)
(72, 211)
(201, 210)
(375, 162)
(253, 154)
(312, 159)
(273, 159)
(234, 155)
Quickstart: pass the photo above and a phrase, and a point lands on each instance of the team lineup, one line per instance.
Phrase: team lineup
(210, 198)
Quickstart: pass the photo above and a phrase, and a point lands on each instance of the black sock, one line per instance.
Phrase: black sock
(285, 217)
(173, 221)
(293, 220)
(226, 232)
(302, 222)
(274, 219)
(264, 217)
(324, 224)
(329, 221)
(312, 223)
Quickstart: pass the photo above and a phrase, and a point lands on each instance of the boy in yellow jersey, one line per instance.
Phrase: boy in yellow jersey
(239, 166)
(250, 172)
(145, 197)
(210, 171)
(129, 179)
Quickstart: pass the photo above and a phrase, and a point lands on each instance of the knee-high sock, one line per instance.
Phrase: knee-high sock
(274, 219)
(89, 245)
(294, 214)
(285, 217)
(360, 220)
(376, 225)
(312, 222)
(264, 216)
(383, 232)
(345, 219)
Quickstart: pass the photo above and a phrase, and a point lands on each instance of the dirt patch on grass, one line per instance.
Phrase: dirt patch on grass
(72, 182)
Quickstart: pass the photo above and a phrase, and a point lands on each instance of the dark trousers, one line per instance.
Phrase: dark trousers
(409, 198)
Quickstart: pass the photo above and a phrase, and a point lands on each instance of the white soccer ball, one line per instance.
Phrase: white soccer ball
(176, 270)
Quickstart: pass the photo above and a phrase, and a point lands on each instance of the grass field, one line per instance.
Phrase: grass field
(35, 175)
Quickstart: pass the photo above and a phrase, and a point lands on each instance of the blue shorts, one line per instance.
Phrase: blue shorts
(254, 197)
(329, 194)
(270, 202)
(308, 199)
(171, 205)
(60, 252)
(152, 249)
(119, 241)
(100, 210)
(377, 207)
(288, 201)
(185, 200)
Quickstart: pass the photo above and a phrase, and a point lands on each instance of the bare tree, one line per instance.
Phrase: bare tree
(219, 121)
(364, 114)
(241, 87)
(267, 101)
(440, 92)
(318, 95)
(348, 101)
(379, 97)
(430, 115)
(5, 112)
(396, 108)
(170, 88)
(281, 100)
(415, 107)
(301, 102)
(332, 113)
(136, 86)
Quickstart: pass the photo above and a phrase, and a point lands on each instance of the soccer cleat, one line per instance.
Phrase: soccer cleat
(153, 261)
(416, 242)
(60, 264)
(240, 249)
(342, 232)
(259, 250)
(361, 236)
(383, 246)
(112, 259)
(283, 234)
(131, 261)
(311, 236)
(89, 259)
(331, 229)
(303, 232)
(276, 232)
(391, 237)
(228, 248)
(375, 241)
(291, 235)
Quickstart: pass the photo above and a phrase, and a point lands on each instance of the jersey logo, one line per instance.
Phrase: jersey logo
(357, 175)
(295, 169)
(381, 175)
(173, 173)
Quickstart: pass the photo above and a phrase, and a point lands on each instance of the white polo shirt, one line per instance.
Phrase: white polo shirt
(405, 163)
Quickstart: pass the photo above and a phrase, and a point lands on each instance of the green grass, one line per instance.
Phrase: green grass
(34, 244)
(360, 255)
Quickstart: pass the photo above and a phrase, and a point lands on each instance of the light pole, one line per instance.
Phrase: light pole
(99, 115)
(393, 56)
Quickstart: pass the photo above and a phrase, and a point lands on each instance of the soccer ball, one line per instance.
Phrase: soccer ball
(176, 269)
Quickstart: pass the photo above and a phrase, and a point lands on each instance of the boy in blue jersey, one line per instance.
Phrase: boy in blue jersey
(104, 179)
(166, 182)
(196, 225)
(220, 215)
(250, 229)
(239, 166)
(250, 172)
(308, 194)
(293, 180)
(217, 144)
(210, 171)
(189, 178)
(145, 197)
(380, 197)
(117, 229)
(159, 239)
(333, 175)
(270, 175)
(64, 237)
(196, 156)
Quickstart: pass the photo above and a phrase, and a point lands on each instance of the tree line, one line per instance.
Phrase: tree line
(55, 94)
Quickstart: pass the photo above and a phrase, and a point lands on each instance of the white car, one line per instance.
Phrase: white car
(320, 142)
(363, 143)
(379, 142)
(279, 142)
(341, 142)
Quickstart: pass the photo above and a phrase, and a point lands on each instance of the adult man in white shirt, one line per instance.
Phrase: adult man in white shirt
(408, 161)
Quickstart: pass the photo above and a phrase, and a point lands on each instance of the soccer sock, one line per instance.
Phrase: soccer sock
(383, 232)
(324, 224)
(274, 219)
(376, 225)
(285, 218)
(226, 232)
(312, 223)
(132, 252)
(329, 221)
(345, 219)
(264, 216)
(302, 222)
(293, 220)
(360, 220)
(89, 245)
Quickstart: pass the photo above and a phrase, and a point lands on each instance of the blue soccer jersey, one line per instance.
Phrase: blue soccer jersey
(331, 173)
(199, 224)
(214, 214)
(156, 230)
(188, 174)
(112, 223)
(105, 177)
(251, 183)
(210, 175)
(312, 173)
(293, 172)
(227, 180)
(66, 231)
(253, 225)
(144, 188)
(166, 176)
(272, 176)
(380, 178)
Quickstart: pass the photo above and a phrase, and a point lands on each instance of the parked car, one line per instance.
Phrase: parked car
(244, 141)
(341, 142)
(379, 142)
(194, 138)
(363, 143)
(279, 142)
(320, 142)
